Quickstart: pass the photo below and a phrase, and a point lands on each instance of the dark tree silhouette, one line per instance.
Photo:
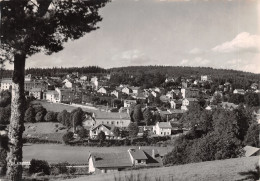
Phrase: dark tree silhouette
(29, 27)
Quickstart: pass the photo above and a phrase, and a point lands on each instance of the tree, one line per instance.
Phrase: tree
(133, 130)
(137, 114)
(101, 136)
(50, 117)
(64, 118)
(83, 133)
(38, 166)
(29, 27)
(116, 131)
(67, 137)
(77, 116)
(252, 99)
(252, 136)
(5, 113)
(29, 115)
(147, 115)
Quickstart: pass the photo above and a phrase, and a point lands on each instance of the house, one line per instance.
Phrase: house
(141, 96)
(187, 102)
(189, 92)
(114, 162)
(68, 83)
(6, 83)
(102, 90)
(135, 90)
(228, 105)
(90, 122)
(28, 85)
(65, 95)
(116, 93)
(127, 90)
(162, 128)
(36, 92)
(251, 151)
(127, 103)
(107, 129)
(239, 91)
(205, 78)
(52, 96)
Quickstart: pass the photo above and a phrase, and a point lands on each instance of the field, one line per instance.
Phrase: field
(237, 169)
(57, 107)
(55, 153)
(44, 131)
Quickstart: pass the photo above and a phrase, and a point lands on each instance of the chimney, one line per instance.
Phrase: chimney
(153, 153)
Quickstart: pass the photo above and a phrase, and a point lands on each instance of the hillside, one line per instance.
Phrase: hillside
(225, 170)
(185, 71)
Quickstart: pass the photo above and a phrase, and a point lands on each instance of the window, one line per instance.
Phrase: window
(139, 161)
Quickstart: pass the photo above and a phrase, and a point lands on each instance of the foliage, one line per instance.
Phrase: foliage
(252, 99)
(252, 136)
(29, 115)
(38, 166)
(5, 98)
(67, 137)
(147, 115)
(83, 133)
(101, 136)
(116, 131)
(61, 168)
(50, 117)
(5, 113)
(77, 116)
(137, 114)
(40, 113)
(133, 129)
(63, 117)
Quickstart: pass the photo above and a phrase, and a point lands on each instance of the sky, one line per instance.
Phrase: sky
(206, 33)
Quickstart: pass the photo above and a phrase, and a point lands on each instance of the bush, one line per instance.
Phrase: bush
(61, 168)
(67, 137)
(38, 166)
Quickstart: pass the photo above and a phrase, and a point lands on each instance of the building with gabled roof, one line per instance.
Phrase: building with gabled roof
(114, 162)
(162, 128)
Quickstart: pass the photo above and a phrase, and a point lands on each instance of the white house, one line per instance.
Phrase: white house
(6, 83)
(239, 91)
(68, 83)
(116, 93)
(102, 90)
(52, 96)
(162, 128)
(127, 103)
(126, 90)
(204, 78)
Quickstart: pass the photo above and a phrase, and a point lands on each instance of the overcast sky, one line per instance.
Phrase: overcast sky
(213, 33)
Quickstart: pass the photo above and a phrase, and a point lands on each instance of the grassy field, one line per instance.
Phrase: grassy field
(56, 107)
(55, 153)
(222, 170)
(44, 131)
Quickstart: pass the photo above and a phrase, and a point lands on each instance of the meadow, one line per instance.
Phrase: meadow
(55, 153)
(236, 169)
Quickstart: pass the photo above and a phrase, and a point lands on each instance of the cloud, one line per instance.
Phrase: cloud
(198, 61)
(131, 57)
(243, 42)
(195, 51)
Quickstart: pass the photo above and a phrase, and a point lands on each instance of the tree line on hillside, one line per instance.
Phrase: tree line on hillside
(214, 135)
(57, 71)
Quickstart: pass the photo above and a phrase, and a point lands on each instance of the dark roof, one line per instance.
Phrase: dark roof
(137, 154)
(155, 161)
(108, 160)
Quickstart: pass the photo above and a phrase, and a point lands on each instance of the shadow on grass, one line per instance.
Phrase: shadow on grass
(251, 174)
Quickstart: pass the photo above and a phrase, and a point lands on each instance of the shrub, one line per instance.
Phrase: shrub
(61, 168)
(67, 137)
(38, 166)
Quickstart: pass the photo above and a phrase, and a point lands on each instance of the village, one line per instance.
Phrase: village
(154, 113)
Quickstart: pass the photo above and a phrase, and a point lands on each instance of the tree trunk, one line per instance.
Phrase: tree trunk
(16, 127)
